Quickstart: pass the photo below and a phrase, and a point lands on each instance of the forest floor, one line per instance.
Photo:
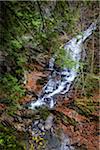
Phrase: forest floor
(82, 129)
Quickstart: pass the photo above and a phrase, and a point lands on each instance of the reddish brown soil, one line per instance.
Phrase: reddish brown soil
(85, 134)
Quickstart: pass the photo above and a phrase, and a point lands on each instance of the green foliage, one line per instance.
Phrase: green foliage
(39, 143)
(11, 87)
(30, 18)
(90, 84)
(88, 81)
(8, 140)
(64, 59)
(44, 112)
(87, 2)
(70, 16)
(15, 44)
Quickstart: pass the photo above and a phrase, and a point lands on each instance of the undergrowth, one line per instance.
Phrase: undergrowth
(8, 139)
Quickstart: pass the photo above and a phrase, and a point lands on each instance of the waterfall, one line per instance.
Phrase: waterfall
(66, 76)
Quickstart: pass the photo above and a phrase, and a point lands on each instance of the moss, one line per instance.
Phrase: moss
(43, 112)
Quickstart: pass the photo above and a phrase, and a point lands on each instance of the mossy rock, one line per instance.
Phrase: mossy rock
(43, 112)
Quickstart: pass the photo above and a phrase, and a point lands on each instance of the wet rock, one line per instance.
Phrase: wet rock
(36, 122)
(49, 122)
(65, 143)
(41, 126)
(41, 120)
(53, 141)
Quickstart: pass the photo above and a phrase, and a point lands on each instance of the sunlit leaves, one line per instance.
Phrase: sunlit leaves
(16, 44)
(64, 59)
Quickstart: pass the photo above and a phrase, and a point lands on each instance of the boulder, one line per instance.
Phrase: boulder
(49, 122)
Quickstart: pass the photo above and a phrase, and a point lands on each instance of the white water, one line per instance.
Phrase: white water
(61, 86)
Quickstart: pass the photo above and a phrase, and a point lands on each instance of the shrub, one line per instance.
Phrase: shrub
(10, 86)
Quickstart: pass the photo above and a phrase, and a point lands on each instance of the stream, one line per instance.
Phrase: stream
(60, 81)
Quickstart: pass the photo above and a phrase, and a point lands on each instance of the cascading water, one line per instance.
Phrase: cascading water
(62, 85)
